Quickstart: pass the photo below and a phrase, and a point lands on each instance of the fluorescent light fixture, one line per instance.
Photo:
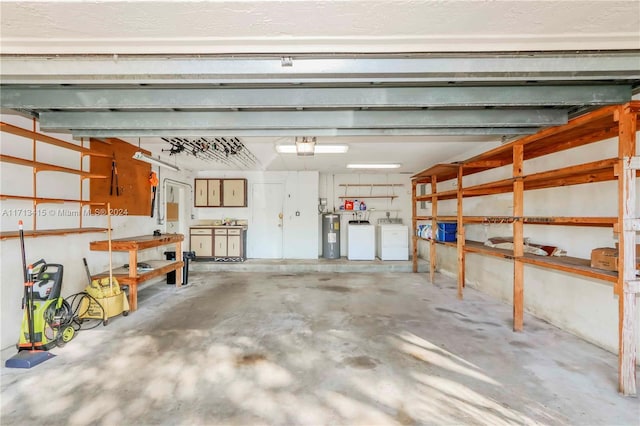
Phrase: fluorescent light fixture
(374, 166)
(318, 149)
(305, 146)
(148, 159)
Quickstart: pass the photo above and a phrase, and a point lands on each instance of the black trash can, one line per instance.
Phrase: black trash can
(171, 276)
(186, 256)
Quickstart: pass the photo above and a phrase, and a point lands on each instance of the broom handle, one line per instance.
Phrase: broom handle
(24, 258)
(109, 238)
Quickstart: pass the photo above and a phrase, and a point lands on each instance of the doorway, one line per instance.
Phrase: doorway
(267, 220)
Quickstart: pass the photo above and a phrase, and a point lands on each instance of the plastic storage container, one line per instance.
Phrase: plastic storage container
(446, 231)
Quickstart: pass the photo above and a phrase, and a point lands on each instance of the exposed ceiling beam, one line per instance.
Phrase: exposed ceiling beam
(371, 97)
(302, 119)
(480, 68)
(458, 131)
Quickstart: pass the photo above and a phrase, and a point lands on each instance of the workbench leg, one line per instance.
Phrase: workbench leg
(133, 274)
(133, 297)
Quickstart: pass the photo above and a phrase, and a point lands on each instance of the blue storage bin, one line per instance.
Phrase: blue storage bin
(447, 231)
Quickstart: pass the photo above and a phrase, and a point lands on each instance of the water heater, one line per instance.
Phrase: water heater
(331, 236)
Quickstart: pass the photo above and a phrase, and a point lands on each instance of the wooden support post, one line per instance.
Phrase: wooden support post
(518, 238)
(460, 237)
(414, 225)
(434, 228)
(627, 301)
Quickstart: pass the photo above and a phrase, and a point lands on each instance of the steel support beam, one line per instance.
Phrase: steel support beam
(179, 70)
(459, 131)
(302, 119)
(145, 98)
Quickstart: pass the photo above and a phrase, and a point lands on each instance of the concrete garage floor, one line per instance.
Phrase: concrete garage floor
(318, 348)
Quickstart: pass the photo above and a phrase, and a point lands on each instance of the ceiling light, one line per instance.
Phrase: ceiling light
(305, 146)
(374, 166)
(318, 149)
(148, 159)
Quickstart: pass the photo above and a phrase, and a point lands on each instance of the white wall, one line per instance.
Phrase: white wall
(377, 208)
(67, 250)
(300, 232)
(585, 307)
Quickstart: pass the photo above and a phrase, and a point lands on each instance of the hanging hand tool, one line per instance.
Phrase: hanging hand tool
(114, 174)
(153, 180)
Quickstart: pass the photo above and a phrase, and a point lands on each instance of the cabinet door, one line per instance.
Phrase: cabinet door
(214, 193)
(202, 245)
(234, 192)
(220, 247)
(200, 197)
(233, 246)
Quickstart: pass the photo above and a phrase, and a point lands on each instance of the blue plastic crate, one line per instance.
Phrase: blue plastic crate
(447, 231)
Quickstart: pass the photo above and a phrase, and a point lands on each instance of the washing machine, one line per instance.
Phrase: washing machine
(361, 240)
(392, 242)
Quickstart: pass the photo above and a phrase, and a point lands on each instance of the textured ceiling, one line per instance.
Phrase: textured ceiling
(317, 26)
(94, 46)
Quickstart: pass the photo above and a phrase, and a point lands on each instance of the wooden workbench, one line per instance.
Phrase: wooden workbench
(132, 276)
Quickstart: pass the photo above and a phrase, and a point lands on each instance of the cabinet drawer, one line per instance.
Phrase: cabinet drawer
(233, 231)
(200, 231)
(220, 231)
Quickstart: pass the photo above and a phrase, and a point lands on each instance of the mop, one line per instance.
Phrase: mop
(27, 358)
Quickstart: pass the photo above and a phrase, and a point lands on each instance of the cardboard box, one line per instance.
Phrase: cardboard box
(604, 258)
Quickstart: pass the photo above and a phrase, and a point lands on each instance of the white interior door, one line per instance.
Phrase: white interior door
(265, 229)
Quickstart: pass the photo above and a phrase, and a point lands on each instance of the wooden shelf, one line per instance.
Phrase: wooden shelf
(617, 121)
(597, 171)
(444, 195)
(359, 197)
(571, 221)
(42, 200)
(591, 127)
(442, 243)
(45, 167)
(529, 220)
(136, 243)
(18, 131)
(160, 267)
(50, 232)
(479, 248)
(568, 264)
(442, 172)
(572, 265)
(371, 184)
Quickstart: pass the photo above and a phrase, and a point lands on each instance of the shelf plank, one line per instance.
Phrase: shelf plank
(471, 246)
(160, 267)
(572, 265)
(371, 184)
(571, 221)
(358, 197)
(597, 171)
(136, 243)
(42, 167)
(18, 131)
(486, 220)
(569, 264)
(50, 232)
(41, 200)
(442, 172)
(544, 220)
(587, 128)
